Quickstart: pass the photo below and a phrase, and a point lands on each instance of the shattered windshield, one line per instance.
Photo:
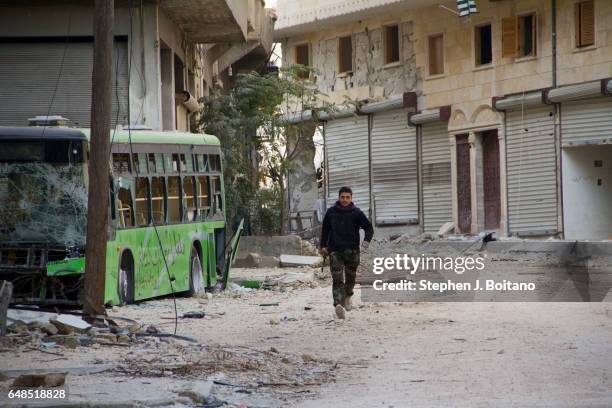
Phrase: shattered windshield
(43, 196)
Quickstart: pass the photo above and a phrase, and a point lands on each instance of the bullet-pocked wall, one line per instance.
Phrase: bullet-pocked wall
(370, 75)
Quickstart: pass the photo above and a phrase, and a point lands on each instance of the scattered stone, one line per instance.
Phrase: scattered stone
(299, 260)
(40, 380)
(65, 340)
(106, 337)
(274, 322)
(252, 260)
(18, 327)
(123, 339)
(49, 329)
(307, 358)
(446, 228)
(199, 392)
(67, 324)
(273, 349)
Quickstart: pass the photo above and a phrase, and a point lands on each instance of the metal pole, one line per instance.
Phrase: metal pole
(97, 204)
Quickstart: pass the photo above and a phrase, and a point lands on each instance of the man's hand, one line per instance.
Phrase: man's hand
(323, 251)
(365, 245)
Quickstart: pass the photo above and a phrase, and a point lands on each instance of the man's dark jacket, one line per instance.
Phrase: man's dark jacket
(341, 227)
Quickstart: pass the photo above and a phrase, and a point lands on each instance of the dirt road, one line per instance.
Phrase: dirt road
(387, 355)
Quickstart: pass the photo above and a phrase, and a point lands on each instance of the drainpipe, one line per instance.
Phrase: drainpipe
(554, 43)
(557, 110)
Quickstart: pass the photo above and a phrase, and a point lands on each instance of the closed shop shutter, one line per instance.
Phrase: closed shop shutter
(394, 168)
(346, 147)
(531, 169)
(437, 189)
(29, 75)
(586, 121)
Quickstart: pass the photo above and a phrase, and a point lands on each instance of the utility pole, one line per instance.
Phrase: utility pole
(99, 146)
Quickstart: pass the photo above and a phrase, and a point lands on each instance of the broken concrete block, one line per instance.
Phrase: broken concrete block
(40, 380)
(446, 228)
(49, 329)
(252, 260)
(67, 324)
(106, 337)
(269, 262)
(299, 260)
(65, 340)
(199, 392)
(18, 327)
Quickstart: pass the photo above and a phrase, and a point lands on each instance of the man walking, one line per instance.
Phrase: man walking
(340, 239)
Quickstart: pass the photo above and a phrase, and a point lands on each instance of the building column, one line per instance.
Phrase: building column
(503, 219)
(452, 142)
(476, 182)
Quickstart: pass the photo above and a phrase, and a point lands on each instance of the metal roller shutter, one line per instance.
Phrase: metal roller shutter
(29, 75)
(586, 121)
(346, 147)
(394, 168)
(531, 168)
(437, 189)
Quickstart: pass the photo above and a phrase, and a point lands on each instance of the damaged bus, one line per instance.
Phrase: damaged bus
(166, 208)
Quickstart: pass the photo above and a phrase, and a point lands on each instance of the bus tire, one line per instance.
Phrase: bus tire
(195, 272)
(126, 279)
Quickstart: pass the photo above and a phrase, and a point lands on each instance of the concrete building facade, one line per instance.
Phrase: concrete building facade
(167, 55)
(500, 121)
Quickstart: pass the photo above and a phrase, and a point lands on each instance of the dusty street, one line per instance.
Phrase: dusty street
(293, 352)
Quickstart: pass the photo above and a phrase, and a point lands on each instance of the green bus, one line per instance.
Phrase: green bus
(166, 208)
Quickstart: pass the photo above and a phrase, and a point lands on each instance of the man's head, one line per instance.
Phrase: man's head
(345, 196)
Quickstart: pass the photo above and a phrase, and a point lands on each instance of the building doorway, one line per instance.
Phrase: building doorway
(464, 194)
(491, 179)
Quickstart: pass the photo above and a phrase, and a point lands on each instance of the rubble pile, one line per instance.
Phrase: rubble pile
(245, 367)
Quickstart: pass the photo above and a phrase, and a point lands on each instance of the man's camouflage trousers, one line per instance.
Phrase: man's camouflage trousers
(344, 271)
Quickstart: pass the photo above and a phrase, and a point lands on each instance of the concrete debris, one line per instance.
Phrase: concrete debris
(65, 340)
(40, 380)
(299, 260)
(199, 392)
(446, 229)
(67, 324)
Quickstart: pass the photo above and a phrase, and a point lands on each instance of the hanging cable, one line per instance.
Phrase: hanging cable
(161, 246)
(59, 75)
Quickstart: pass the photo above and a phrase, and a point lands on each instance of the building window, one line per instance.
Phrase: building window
(179, 75)
(483, 45)
(519, 36)
(302, 57)
(584, 23)
(392, 44)
(345, 54)
(436, 54)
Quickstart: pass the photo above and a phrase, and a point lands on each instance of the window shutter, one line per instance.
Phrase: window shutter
(436, 55)
(587, 23)
(510, 37)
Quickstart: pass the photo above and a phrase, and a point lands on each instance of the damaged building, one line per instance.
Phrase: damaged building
(168, 55)
(499, 120)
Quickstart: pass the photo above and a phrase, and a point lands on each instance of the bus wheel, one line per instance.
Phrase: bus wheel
(126, 279)
(195, 272)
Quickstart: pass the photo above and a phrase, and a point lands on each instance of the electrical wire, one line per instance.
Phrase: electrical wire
(59, 75)
(161, 246)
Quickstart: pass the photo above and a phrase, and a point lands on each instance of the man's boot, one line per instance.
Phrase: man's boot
(340, 312)
(348, 302)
